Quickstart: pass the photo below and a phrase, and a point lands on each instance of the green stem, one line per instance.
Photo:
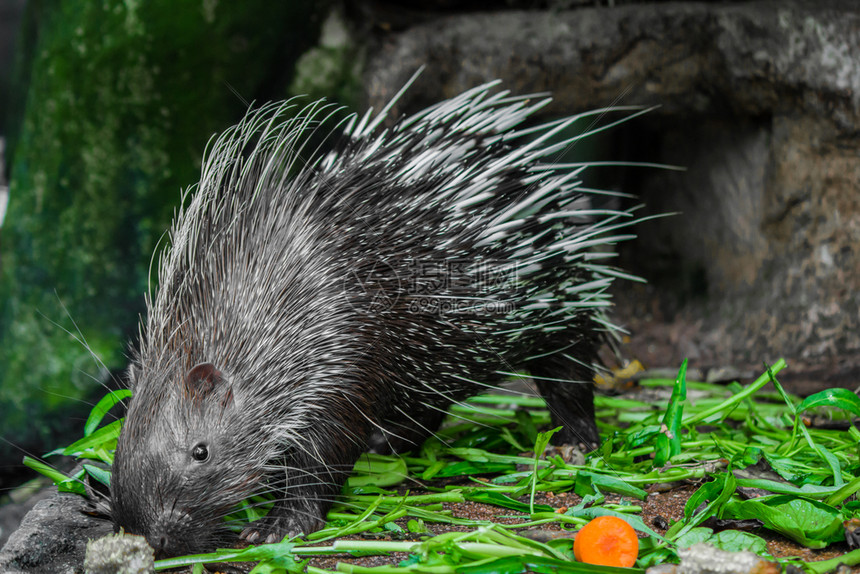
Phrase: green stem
(735, 399)
(850, 559)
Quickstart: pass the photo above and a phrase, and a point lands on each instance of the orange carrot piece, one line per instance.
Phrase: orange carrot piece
(607, 541)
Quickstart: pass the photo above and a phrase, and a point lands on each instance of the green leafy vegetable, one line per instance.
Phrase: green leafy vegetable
(102, 407)
(669, 439)
(808, 522)
(750, 435)
(839, 398)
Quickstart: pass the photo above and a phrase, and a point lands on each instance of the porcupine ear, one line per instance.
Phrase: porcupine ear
(203, 380)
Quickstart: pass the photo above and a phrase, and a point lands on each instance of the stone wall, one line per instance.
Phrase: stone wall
(760, 101)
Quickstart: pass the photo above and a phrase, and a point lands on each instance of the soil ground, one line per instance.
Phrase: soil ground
(658, 511)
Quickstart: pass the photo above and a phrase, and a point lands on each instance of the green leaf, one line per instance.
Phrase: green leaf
(844, 492)
(823, 452)
(641, 437)
(654, 557)
(542, 440)
(45, 469)
(541, 443)
(787, 468)
(808, 522)
(590, 482)
(99, 474)
(102, 407)
(669, 439)
(377, 470)
(480, 455)
(839, 398)
(820, 567)
(737, 541)
(588, 501)
(417, 526)
(433, 469)
(505, 501)
(468, 468)
(748, 457)
(253, 509)
(274, 558)
(64, 482)
(694, 536)
(99, 438)
(832, 462)
(708, 491)
(715, 493)
(807, 490)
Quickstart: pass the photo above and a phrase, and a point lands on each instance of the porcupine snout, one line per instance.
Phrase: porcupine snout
(167, 534)
(151, 508)
(161, 521)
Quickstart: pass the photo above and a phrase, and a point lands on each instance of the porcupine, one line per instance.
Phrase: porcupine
(313, 304)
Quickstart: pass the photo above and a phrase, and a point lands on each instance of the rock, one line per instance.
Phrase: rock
(53, 537)
(20, 501)
(704, 559)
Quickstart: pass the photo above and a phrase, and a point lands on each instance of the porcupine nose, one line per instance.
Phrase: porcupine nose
(169, 537)
(165, 546)
(160, 545)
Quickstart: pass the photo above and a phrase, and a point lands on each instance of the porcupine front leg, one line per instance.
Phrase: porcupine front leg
(568, 389)
(307, 486)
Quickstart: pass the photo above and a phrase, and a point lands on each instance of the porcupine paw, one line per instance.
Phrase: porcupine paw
(275, 528)
(578, 432)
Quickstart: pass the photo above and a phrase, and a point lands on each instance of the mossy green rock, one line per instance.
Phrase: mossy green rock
(121, 99)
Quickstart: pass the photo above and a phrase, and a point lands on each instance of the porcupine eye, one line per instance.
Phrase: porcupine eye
(200, 453)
